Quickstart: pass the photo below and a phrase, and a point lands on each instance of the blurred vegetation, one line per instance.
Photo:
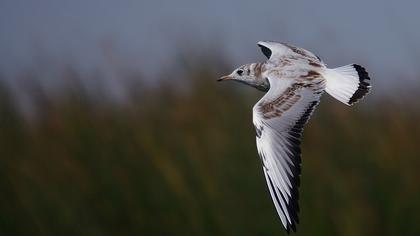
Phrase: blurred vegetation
(179, 158)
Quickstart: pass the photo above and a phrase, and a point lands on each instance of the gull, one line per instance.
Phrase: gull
(294, 80)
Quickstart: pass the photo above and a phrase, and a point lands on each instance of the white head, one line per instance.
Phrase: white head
(250, 74)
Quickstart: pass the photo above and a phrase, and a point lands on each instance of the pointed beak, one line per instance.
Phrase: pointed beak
(223, 78)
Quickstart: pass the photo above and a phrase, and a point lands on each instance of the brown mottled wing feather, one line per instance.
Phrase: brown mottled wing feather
(301, 51)
(279, 118)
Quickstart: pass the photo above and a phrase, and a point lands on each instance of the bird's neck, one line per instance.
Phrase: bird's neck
(260, 82)
(257, 69)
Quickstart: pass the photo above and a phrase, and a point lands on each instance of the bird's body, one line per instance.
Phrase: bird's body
(294, 80)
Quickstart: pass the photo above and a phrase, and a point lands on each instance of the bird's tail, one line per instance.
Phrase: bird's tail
(348, 84)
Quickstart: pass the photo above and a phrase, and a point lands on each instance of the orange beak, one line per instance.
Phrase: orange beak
(223, 78)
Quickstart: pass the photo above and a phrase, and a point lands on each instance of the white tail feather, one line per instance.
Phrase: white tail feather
(348, 84)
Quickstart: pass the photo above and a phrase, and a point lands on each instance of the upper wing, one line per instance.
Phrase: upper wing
(273, 50)
(279, 118)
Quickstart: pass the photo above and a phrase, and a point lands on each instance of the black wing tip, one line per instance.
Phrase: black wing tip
(364, 84)
(265, 50)
(292, 208)
(294, 216)
(291, 228)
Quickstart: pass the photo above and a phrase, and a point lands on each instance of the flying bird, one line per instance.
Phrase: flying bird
(294, 80)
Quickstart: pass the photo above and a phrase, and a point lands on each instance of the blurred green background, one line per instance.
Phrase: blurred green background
(112, 122)
(181, 160)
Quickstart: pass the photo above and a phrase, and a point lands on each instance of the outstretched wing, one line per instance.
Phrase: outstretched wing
(273, 50)
(279, 118)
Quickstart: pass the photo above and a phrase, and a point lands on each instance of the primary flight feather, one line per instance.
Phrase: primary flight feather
(294, 80)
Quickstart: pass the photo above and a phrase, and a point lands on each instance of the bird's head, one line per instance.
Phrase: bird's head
(249, 74)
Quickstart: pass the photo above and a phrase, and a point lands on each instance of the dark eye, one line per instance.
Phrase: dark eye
(239, 72)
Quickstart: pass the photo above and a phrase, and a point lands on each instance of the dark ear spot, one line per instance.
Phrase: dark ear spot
(265, 50)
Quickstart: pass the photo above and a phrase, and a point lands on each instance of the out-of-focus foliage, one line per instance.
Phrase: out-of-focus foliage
(180, 159)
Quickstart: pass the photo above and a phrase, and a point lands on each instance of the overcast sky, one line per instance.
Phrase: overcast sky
(382, 35)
